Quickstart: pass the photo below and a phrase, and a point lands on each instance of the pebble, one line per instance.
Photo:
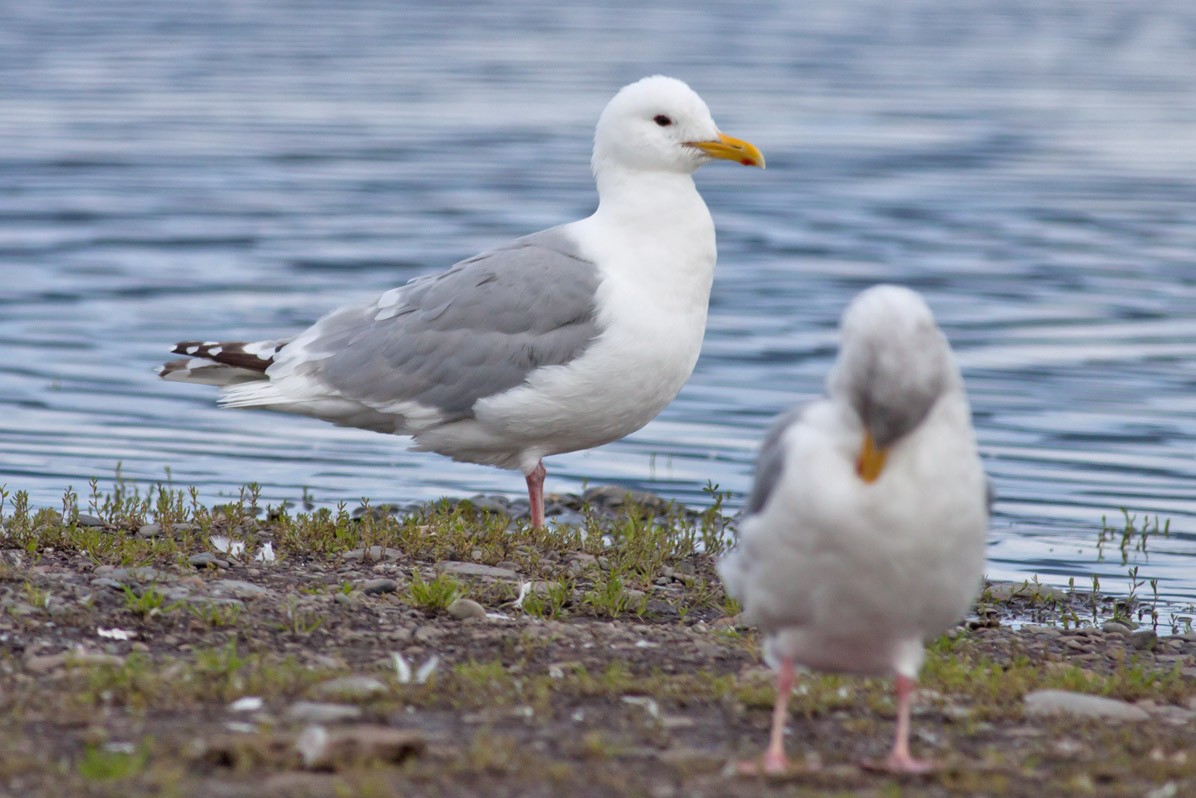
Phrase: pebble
(149, 530)
(83, 519)
(376, 587)
(322, 712)
(207, 560)
(1144, 639)
(1051, 702)
(144, 573)
(373, 554)
(464, 608)
(350, 688)
(477, 569)
(238, 589)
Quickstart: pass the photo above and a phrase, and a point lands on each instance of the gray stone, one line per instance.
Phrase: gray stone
(426, 635)
(1144, 639)
(477, 569)
(238, 589)
(322, 712)
(464, 608)
(149, 531)
(1116, 627)
(83, 519)
(207, 560)
(373, 554)
(350, 688)
(144, 573)
(1052, 702)
(107, 582)
(378, 586)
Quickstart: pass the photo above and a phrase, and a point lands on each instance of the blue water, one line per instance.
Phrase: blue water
(235, 170)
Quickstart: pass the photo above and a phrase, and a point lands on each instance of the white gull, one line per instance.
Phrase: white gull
(864, 532)
(563, 340)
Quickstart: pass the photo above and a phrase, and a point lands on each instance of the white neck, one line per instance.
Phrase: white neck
(664, 228)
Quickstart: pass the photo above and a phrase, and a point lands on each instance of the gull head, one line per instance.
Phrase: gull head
(659, 124)
(894, 363)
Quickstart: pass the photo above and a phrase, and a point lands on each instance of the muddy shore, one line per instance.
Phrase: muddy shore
(153, 646)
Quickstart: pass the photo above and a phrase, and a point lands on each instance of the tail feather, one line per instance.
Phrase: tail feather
(221, 363)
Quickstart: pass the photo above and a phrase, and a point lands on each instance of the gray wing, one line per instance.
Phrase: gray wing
(446, 341)
(771, 460)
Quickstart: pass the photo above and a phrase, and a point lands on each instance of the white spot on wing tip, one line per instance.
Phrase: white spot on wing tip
(191, 350)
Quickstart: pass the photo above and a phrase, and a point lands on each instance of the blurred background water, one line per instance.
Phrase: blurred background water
(230, 169)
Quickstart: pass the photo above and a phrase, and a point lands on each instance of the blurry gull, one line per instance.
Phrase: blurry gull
(562, 340)
(864, 531)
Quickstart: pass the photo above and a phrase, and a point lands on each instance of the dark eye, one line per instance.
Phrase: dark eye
(662, 120)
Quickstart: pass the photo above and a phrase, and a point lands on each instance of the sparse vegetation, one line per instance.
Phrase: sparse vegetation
(608, 664)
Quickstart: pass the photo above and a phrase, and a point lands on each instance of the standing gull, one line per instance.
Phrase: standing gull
(864, 532)
(562, 340)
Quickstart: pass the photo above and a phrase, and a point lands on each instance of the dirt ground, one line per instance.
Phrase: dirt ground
(151, 648)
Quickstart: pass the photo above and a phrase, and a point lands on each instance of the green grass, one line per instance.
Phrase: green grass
(433, 595)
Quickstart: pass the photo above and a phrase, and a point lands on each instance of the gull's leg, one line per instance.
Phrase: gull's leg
(774, 757)
(535, 493)
(899, 760)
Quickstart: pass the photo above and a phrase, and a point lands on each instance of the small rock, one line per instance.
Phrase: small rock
(1144, 639)
(149, 531)
(376, 587)
(426, 635)
(660, 608)
(1116, 627)
(322, 712)
(349, 688)
(144, 573)
(238, 589)
(494, 504)
(83, 519)
(477, 569)
(1050, 702)
(207, 560)
(373, 554)
(464, 608)
(634, 597)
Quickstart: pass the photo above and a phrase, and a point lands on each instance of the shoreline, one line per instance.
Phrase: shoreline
(152, 646)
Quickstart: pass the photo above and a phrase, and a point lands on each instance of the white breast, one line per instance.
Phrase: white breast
(652, 302)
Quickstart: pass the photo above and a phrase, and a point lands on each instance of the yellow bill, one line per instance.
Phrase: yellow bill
(729, 148)
(871, 460)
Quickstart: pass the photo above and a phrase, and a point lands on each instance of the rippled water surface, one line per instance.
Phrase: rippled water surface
(234, 170)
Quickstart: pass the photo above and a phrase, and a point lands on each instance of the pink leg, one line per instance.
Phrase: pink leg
(899, 760)
(535, 493)
(774, 757)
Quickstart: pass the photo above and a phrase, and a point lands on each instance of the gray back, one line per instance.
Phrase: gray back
(448, 340)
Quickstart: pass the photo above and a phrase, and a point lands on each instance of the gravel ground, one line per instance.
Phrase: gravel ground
(376, 656)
